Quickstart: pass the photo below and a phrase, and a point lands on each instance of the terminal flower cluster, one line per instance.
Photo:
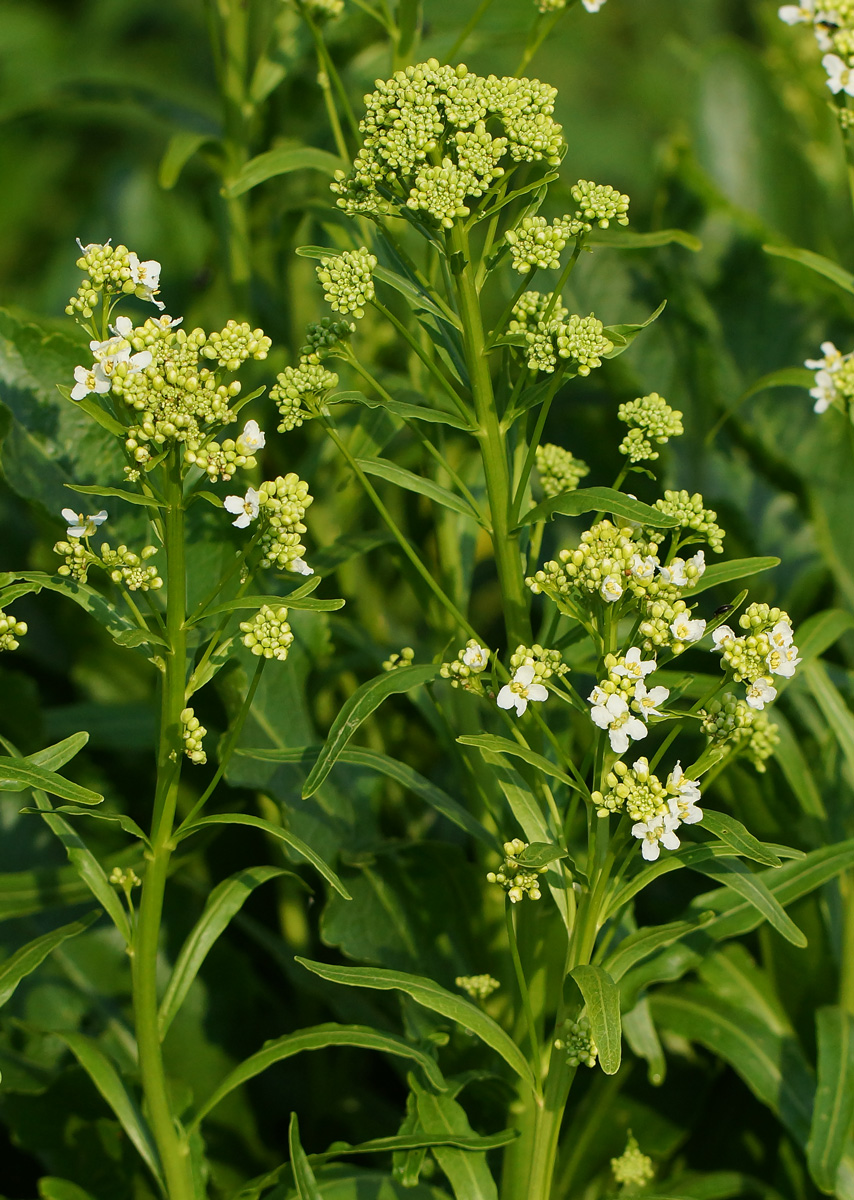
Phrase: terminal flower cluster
(347, 280)
(624, 703)
(833, 25)
(10, 631)
(537, 245)
(124, 566)
(268, 633)
(517, 879)
(551, 334)
(633, 1169)
(192, 732)
(558, 469)
(764, 650)
(577, 1040)
(731, 720)
(297, 388)
(691, 514)
(834, 379)
(470, 663)
(112, 271)
(657, 809)
(478, 987)
(650, 419)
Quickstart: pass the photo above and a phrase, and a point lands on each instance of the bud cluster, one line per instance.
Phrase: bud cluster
(268, 633)
(404, 659)
(10, 631)
(232, 346)
(556, 335)
(126, 568)
(470, 662)
(650, 419)
(690, 512)
(730, 719)
(111, 271)
(577, 1040)
(283, 502)
(323, 337)
(479, 987)
(347, 280)
(545, 662)
(634, 790)
(765, 649)
(294, 385)
(559, 470)
(219, 460)
(517, 880)
(192, 733)
(600, 204)
(632, 1169)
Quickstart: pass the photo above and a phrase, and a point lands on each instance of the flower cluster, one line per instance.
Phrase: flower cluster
(545, 663)
(765, 649)
(283, 502)
(404, 659)
(658, 809)
(232, 346)
(437, 137)
(517, 879)
(521, 690)
(297, 384)
(834, 378)
(268, 633)
(10, 631)
(192, 733)
(479, 987)
(632, 1169)
(623, 693)
(347, 281)
(833, 26)
(577, 1040)
(691, 514)
(598, 203)
(551, 334)
(112, 271)
(470, 662)
(559, 470)
(323, 338)
(127, 568)
(650, 419)
(748, 730)
(536, 244)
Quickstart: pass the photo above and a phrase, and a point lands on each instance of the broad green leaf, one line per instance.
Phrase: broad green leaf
(602, 999)
(318, 1037)
(833, 1110)
(735, 875)
(643, 942)
(599, 499)
(281, 162)
(734, 834)
(306, 1184)
(821, 631)
(640, 1033)
(275, 831)
(225, 900)
(52, 757)
(408, 412)
(391, 767)
(836, 712)
(430, 995)
(815, 262)
(360, 705)
(540, 854)
(117, 494)
(180, 148)
(23, 775)
(727, 572)
(624, 335)
(502, 745)
(108, 1082)
(417, 483)
(468, 1172)
(623, 239)
(25, 960)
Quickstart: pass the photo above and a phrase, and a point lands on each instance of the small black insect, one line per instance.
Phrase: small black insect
(724, 608)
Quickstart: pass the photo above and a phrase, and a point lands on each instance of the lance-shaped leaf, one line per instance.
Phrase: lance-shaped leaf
(25, 960)
(128, 824)
(602, 1000)
(225, 900)
(540, 854)
(735, 875)
(357, 708)
(599, 499)
(319, 1037)
(23, 775)
(640, 1033)
(52, 757)
(623, 335)
(431, 995)
(815, 262)
(109, 1083)
(307, 1188)
(734, 834)
(833, 1110)
(822, 630)
(468, 1172)
(118, 494)
(727, 572)
(179, 150)
(420, 484)
(643, 942)
(88, 599)
(624, 239)
(281, 161)
(276, 831)
(408, 412)
(242, 603)
(836, 712)
(501, 745)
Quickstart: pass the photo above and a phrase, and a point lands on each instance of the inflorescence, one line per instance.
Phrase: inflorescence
(833, 26)
(517, 879)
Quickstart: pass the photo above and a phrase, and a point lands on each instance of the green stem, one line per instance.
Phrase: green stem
(496, 466)
(536, 1055)
(171, 1145)
(424, 356)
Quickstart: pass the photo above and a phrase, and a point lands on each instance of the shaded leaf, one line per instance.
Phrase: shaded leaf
(307, 1188)
(501, 745)
(833, 1110)
(25, 960)
(418, 483)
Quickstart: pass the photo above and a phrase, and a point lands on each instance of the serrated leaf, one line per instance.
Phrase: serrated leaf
(599, 499)
(833, 1110)
(734, 834)
(501, 745)
(223, 903)
(24, 775)
(357, 708)
(417, 483)
(430, 995)
(319, 1037)
(29, 957)
(118, 494)
(276, 831)
(282, 161)
(735, 875)
(602, 1000)
(726, 572)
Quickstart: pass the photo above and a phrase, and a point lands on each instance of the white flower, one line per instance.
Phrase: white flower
(760, 693)
(593, 6)
(82, 526)
(598, 695)
(840, 75)
(634, 667)
(783, 661)
(649, 701)
(686, 793)
(92, 380)
(476, 658)
(114, 349)
(123, 327)
(781, 635)
(657, 832)
(686, 630)
(643, 568)
(614, 715)
(611, 588)
(247, 506)
(251, 439)
(299, 565)
(794, 14)
(722, 634)
(832, 360)
(674, 573)
(698, 562)
(520, 690)
(92, 245)
(824, 392)
(146, 276)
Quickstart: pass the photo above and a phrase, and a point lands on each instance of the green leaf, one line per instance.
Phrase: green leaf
(599, 499)
(822, 630)
(357, 708)
(735, 875)
(408, 412)
(734, 834)
(403, 774)
(643, 942)
(57, 755)
(23, 775)
(420, 1141)
(127, 823)
(306, 1184)
(624, 335)
(796, 377)
(318, 1037)
(108, 1082)
(540, 854)
(52, 1188)
(792, 762)
(726, 572)
(255, 602)
(501, 745)
(94, 410)
(180, 148)
(602, 999)
(833, 1110)
(281, 162)
(416, 483)
(468, 1172)
(276, 831)
(640, 1033)
(430, 995)
(25, 960)
(118, 494)
(834, 709)
(225, 900)
(622, 239)
(815, 262)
